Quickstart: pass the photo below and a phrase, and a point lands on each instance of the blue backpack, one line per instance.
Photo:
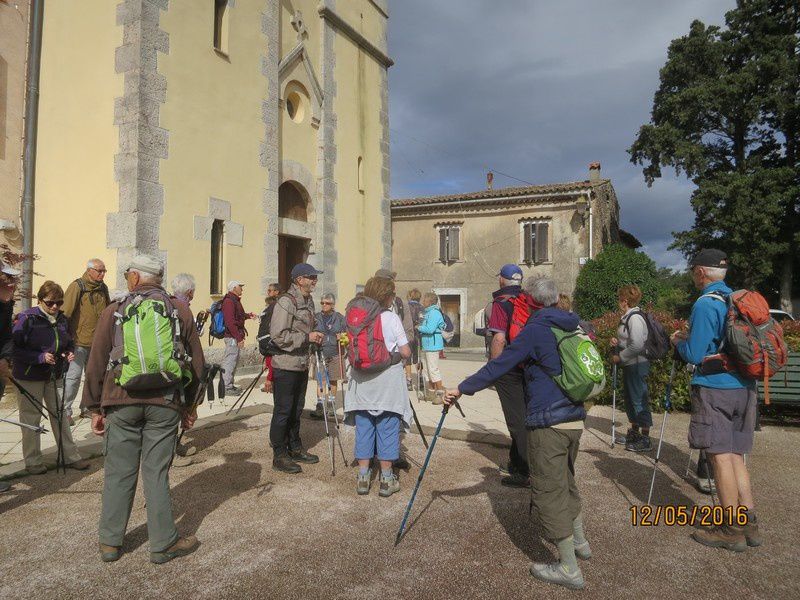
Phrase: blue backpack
(217, 328)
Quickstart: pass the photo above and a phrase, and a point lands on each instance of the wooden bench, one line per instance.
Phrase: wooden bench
(784, 387)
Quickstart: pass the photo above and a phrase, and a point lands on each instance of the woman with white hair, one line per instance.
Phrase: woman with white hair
(183, 287)
(331, 324)
(554, 423)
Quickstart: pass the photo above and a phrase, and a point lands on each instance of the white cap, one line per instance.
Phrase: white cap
(144, 263)
(4, 268)
(233, 284)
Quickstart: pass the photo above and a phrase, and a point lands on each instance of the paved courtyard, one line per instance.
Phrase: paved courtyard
(270, 535)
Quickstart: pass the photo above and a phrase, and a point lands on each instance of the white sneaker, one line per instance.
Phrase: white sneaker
(557, 574)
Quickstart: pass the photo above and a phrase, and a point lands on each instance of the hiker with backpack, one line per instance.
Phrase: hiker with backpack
(562, 370)
(234, 318)
(723, 400)
(376, 400)
(263, 338)
(510, 310)
(292, 333)
(143, 373)
(628, 352)
(84, 300)
(331, 324)
(415, 308)
(430, 333)
(43, 349)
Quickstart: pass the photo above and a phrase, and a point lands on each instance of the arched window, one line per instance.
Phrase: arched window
(292, 203)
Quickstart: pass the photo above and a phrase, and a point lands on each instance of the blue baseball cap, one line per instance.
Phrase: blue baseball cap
(511, 272)
(304, 270)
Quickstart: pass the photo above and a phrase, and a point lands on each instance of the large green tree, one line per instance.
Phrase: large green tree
(727, 115)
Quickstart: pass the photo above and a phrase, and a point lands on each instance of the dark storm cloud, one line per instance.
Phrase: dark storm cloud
(537, 90)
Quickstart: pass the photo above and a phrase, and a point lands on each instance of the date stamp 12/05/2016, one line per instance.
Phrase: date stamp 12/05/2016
(673, 515)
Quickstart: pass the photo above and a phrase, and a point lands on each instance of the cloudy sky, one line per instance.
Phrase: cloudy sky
(536, 89)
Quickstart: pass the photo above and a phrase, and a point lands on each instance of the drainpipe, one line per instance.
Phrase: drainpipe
(591, 223)
(29, 152)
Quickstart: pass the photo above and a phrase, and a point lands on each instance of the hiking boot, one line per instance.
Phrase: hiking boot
(4, 487)
(79, 465)
(110, 553)
(182, 547)
(706, 485)
(182, 450)
(729, 538)
(641, 444)
(556, 573)
(233, 390)
(583, 551)
(516, 480)
(630, 436)
(317, 413)
(751, 534)
(182, 461)
(286, 465)
(302, 456)
(36, 470)
(363, 483)
(401, 463)
(389, 485)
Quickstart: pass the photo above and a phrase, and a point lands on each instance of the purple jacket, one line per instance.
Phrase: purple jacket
(33, 336)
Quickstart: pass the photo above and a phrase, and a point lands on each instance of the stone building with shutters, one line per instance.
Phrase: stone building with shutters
(455, 245)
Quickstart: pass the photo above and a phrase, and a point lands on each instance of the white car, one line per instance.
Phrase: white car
(780, 315)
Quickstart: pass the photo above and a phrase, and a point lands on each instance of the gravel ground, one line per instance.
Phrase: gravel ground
(269, 535)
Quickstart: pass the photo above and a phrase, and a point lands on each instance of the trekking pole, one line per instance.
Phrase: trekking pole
(331, 455)
(44, 411)
(613, 404)
(34, 428)
(711, 484)
(332, 400)
(667, 408)
(419, 427)
(421, 474)
(245, 394)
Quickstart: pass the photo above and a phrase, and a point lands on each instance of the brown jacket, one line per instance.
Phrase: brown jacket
(83, 317)
(292, 321)
(100, 390)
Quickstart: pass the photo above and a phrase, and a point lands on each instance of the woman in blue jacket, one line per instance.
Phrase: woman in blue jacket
(555, 425)
(430, 333)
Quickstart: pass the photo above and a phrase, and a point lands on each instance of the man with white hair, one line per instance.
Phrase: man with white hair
(137, 416)
(234, 316)
(84, 300)
(554, 427)
(723, 405)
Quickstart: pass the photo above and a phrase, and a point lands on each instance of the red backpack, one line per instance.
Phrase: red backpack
(753, 343)
(522, 305)
(367, 351)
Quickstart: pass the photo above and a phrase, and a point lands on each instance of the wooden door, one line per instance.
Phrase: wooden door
(451, 306)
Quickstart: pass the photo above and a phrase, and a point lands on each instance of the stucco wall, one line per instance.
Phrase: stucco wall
(77, 140)
(13, 51)
(490, 238)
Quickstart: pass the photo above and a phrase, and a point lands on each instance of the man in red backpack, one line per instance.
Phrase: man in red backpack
(723, 405)
(510, 386)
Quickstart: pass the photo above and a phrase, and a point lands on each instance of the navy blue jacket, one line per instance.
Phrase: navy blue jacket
(33, 336)
(535, 347)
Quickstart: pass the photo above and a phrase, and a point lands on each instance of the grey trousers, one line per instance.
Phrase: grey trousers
(149, 432)
(230, 360)
(74, 373)
(48, 393)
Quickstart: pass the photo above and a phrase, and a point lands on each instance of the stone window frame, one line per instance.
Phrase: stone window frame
(535, 221)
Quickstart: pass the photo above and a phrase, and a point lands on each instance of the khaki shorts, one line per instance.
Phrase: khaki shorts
(432, 366)
(722, 421)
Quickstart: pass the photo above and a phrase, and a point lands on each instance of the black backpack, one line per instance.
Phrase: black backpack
(657, 345)
(265, 346)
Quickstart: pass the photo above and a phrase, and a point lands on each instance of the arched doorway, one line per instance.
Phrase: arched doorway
(293, 205)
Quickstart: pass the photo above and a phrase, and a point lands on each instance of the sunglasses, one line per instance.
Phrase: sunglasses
(327, 303)
(99, 270)
(52, 303)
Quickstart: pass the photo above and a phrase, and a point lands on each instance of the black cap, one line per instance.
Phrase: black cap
(710, 257)
(304, 270)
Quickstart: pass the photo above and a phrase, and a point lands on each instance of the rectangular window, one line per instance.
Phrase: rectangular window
(217, 255)
(449, 243)
(535, 242)
(221, 24)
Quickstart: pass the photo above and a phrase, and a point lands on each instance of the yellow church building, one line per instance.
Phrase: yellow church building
(234, 138)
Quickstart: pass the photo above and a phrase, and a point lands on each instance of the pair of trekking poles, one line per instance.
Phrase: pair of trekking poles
(667, 408)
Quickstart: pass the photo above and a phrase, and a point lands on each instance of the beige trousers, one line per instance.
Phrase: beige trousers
(49, 394)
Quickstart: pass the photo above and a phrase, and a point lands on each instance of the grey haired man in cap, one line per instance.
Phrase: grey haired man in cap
(723, 404)
(140, 425)
(292, 331)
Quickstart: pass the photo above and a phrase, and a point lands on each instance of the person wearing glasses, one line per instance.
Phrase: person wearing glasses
(292, 332)
(43, 349)
(331, 324)
(84, 300)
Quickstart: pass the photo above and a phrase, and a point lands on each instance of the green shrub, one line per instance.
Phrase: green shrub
(600, 279)
(791, 333)
(659, 370)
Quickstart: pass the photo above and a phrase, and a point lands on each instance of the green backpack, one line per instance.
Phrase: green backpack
(583, 374)
(148, 353)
